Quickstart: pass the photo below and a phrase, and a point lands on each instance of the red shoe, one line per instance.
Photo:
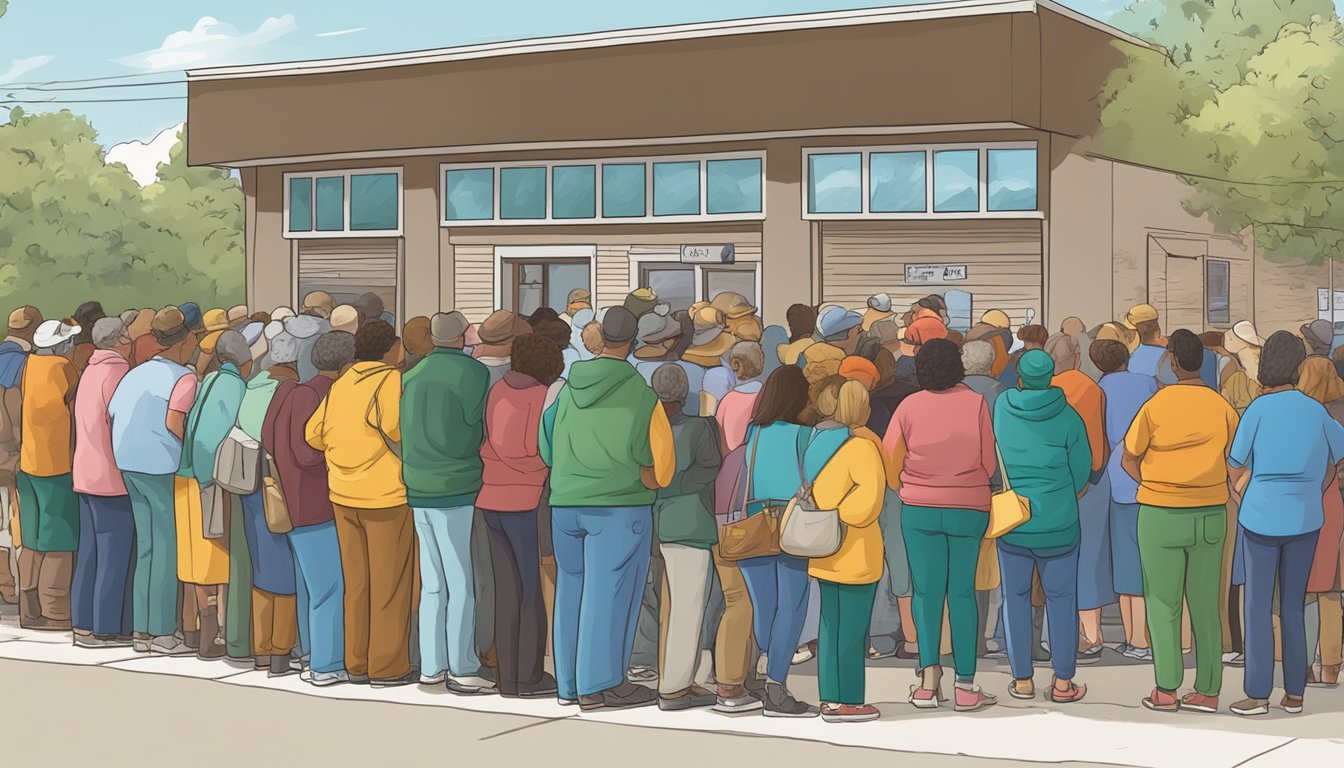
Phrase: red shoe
(1071, 695)
(972, 699)
(1162, 701)
(1198, 702)
(849, 713)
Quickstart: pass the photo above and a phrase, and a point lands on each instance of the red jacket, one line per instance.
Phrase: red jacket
(513, 472)
(303, 470)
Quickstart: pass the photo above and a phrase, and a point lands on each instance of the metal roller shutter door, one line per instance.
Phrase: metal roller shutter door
(1002, 260)
(348, 268)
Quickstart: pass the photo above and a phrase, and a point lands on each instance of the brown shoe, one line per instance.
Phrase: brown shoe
(1291, 704)
(1329, 675)
(1072, 694)
(1022, 689)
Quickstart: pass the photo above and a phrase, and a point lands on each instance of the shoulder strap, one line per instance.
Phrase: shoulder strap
(1003, 469)
(751, 468)
(189, 436)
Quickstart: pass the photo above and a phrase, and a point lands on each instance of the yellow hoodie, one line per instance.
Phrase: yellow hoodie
(353, 426)
(855, 482)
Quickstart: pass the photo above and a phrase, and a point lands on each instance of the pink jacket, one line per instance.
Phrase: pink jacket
(734, 415)
(95, 471)
(949, 449)
(513, 473)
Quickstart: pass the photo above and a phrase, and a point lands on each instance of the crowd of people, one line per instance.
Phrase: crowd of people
(645, 495)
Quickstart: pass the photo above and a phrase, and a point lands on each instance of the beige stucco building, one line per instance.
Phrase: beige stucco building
(814, 158)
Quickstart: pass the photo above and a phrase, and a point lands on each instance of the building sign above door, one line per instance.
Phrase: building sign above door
(923, 274)
(707, 254)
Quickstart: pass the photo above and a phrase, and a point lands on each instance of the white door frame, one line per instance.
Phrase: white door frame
(542, 253)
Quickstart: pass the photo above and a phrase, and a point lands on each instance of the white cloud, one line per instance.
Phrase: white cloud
(210, 42)
(19, 67)
(142, 158)
(340, 32)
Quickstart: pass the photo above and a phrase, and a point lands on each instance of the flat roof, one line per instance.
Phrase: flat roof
(823, 20)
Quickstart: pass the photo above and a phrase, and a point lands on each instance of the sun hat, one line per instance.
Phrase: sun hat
(925, 329)
(502, 327)
(997, 318)
(1245, 331)
(1140, 313)
(733, 305)
(52, 333)
(169, 326)
(215, 320)
(1036, 368)
(860, 369)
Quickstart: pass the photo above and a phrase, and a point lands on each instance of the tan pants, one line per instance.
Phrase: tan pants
(46, 577)
(275, 627)
(548, 597)
(378, 561)
(9, 589)
(733, 643)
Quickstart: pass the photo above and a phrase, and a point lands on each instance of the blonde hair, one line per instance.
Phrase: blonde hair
(1318, 379)
(1249, 358)
(826, 395)
(852, 407)
(592, 337)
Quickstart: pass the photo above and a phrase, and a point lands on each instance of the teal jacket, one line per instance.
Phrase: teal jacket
(214, 413)
(442, 428)
(595, 437)
(684, 511)
(1047, 459)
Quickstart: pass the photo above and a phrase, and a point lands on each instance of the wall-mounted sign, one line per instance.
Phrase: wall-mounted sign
(923, 274)
(1323, 300)
(707, 254)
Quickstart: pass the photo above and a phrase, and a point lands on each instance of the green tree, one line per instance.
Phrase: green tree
(1245, 105)
(77, 229)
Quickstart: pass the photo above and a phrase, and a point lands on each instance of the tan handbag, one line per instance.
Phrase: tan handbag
(743, 537)
(273, 500)
(1007, 510)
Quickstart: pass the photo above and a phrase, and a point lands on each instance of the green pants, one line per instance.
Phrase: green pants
(842, 644)
(944, 546)
(238, 609)
(48, 512)
(154, 586)
(1181, 554)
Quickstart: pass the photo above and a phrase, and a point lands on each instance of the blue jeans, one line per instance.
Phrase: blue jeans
(1287, 560)
(601, 560)
(1059, 580)
(100, 593)
(447, 591)
(317, 556)
(779, 590)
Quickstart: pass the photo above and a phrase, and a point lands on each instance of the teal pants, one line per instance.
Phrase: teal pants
(843, 641)
(944, 546)
(154, 586)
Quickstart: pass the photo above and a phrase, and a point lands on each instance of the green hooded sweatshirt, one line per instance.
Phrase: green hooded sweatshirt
(442, 428)
(1046, 455)
(595, 437)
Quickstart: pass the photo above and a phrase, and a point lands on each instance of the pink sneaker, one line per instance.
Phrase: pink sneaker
(923, 698)
(973, 699)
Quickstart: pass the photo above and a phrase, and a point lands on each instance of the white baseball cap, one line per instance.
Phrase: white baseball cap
(52, 333)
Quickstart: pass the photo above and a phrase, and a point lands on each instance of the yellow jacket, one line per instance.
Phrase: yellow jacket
(855, 482)
(353, 425)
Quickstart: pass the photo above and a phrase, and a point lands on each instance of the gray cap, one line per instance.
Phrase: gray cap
(305, 326)
(657, 326)
(232, 348)
(447, 327)
(284, 348)
(107, 332)
(619, 326)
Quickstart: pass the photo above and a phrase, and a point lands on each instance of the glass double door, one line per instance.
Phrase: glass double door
(536, 283)
(681, 285)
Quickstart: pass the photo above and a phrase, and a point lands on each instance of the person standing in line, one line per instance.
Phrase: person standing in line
(942, 442)
(48, 509)
(303, 481)
(1176, 449)
(1095, 587)
(853, 482)
(686, 533)
(100, 600)
(497, 335)
(358, 428)
(14, 352)
(149, 417)
(512, 481)
(602, 494)
(777, 584)
(1319, 380)
(802, 320)
(1046, 458)
(578, 300)
(747, 361)
(1150, 357)
(1126, 392)
(1030, 337)
(1286, 454)
(85, 316)
(203, 560)
(275, 599)
(442, 427)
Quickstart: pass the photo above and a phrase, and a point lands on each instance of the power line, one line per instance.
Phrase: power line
(90, 79)
(96, 87)
(92, 101)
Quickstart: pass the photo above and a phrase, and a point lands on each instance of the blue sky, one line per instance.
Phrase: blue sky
(61, 40)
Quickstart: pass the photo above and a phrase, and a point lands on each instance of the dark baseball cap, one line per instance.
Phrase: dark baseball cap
(619, 326)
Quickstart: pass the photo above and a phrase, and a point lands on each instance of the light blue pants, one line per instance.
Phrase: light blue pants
(447, 591)
(317, 557)
(779, 590)
(602, 560)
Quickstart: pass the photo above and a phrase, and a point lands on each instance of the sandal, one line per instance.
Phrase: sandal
(1071, 695)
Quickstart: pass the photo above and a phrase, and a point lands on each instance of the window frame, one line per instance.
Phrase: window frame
(505, 256)
(866, 151)
(346, 231)
(639, 261)
(1226, 264)
(598, 162)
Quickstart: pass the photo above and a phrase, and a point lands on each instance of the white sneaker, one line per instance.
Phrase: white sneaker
(323, 679)
(169, 645)
(1233, 659)
(469, 683)
(641, 674)
(803, 654)
(434, 679)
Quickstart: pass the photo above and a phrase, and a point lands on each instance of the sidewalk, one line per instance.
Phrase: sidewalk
(1111, 727)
